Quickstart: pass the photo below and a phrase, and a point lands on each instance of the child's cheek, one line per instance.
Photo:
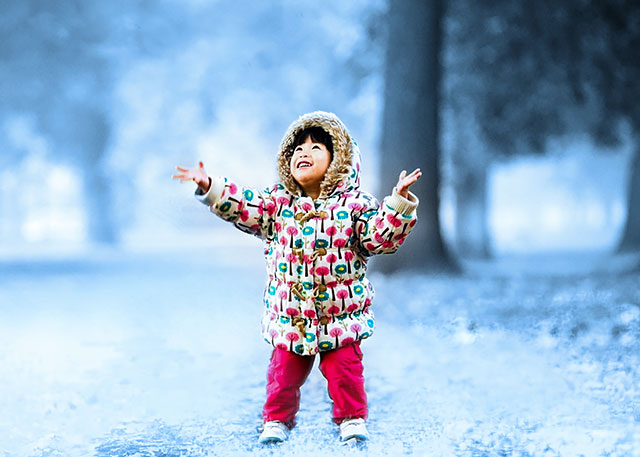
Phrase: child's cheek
(293, 173)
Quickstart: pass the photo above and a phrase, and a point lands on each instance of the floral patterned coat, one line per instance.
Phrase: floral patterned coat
(317, 295)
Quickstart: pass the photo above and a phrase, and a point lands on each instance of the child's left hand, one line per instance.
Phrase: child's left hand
(405, 180)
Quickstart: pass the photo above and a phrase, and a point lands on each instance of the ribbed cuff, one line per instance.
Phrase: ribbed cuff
(402, 205)
(216, 186)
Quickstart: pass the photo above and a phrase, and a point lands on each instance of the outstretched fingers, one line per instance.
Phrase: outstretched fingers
(405, 180)
(413, 177)
(197, 174)
(184, 175)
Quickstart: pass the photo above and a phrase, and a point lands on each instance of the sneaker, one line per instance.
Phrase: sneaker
(273, 432)
(353, 428)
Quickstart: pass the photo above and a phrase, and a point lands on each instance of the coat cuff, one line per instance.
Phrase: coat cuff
(216, 186)
(405, 206)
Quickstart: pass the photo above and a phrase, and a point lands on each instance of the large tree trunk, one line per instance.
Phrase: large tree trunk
(410, 127)
(631, 237)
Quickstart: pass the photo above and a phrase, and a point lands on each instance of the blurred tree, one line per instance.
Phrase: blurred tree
(410, 126)
(534, 70)
(630, 240)
(469, 167)
(465, 159)
(54, 71)
(59, 64)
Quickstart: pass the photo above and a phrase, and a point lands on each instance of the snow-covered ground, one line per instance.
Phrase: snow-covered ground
(153, 355)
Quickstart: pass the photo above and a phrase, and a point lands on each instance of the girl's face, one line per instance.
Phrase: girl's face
(309, 163)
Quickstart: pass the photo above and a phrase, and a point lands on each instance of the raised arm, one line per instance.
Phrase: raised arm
(383, 227)
(250, 210)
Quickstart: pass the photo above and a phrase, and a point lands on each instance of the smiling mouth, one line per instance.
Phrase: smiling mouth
(303, 164)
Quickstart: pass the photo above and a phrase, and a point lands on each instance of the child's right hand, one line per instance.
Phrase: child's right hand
(197, 175)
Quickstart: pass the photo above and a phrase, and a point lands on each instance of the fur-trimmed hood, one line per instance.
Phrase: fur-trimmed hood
(344, 171)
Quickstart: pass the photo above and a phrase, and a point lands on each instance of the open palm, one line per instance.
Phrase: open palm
(197, 175)
(405, 180)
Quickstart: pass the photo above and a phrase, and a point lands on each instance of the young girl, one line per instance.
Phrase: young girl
(319, 230)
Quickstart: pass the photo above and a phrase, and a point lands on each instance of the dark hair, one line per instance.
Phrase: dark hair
(317, 135)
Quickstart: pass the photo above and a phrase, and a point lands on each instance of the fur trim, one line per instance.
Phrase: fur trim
(340, 166)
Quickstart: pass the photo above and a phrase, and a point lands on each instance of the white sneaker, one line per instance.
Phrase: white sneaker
(353, 428)
(273, 432)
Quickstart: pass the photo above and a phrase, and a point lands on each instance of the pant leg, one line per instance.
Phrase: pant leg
(286, 374)
(344, 372)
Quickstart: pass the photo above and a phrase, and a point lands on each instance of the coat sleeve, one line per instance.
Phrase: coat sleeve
(382, 227)
(250, 210)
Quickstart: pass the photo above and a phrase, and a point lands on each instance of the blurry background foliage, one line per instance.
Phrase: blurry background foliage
(536, 129)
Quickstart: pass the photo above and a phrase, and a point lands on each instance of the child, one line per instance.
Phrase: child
(319, 229)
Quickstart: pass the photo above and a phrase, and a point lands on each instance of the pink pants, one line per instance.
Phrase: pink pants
(341, 367)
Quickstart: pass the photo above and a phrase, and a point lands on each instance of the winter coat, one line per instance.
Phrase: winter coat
(317, 296)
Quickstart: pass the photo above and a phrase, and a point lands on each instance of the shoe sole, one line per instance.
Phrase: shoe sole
(271, 441)
(356, 437)
(355, 442)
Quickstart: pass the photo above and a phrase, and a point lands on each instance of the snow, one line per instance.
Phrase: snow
(161, 355)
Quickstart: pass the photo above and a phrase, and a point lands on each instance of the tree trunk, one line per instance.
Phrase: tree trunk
(101, 226)
(12, 209)
(410, 127)
(472, 237)
(99, 201)
(469, 164)
(631, 237)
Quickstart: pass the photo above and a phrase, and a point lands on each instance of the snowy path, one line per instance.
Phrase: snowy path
(121, 358)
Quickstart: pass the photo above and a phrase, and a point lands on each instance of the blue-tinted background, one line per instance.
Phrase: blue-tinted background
(101, 101)
(129, 315)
